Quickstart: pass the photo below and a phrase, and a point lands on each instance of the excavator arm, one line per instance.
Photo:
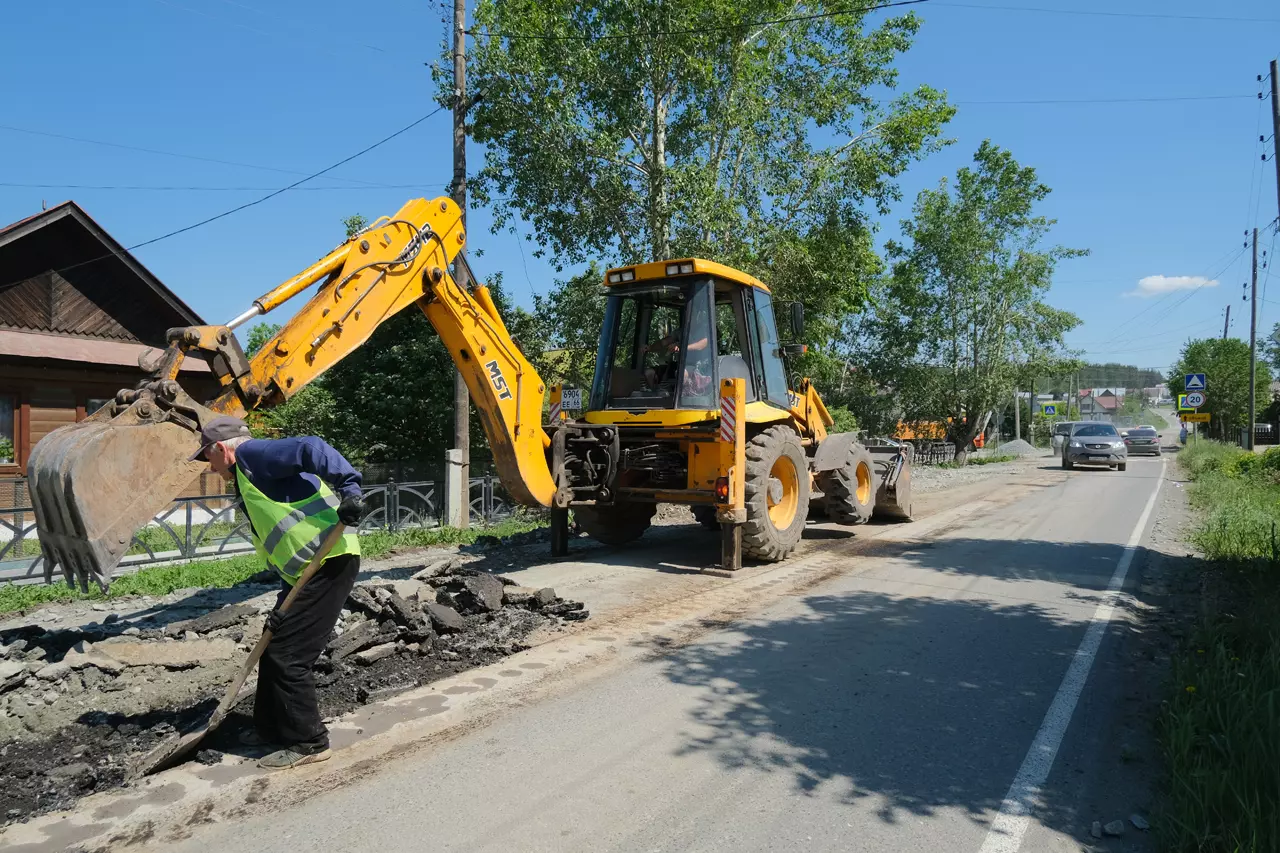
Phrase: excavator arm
(94, 483)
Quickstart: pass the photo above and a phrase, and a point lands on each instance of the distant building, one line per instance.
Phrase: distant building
(1100, 406)
(76, 313)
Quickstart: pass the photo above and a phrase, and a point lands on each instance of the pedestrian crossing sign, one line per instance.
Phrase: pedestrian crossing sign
(1050, 409)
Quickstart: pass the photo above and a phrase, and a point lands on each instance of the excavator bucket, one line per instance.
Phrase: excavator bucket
(893, 476)
(94, 483)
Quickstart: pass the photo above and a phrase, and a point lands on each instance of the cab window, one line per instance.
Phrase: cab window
(775, 374)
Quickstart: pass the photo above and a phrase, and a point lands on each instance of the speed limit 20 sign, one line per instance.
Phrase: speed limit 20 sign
(1195, 399)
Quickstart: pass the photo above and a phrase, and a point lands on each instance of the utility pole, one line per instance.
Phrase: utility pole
(1031, 413)
(1253, 340)
(1227, 322)
(461, 399)
(1275, 129)
(1017, 415)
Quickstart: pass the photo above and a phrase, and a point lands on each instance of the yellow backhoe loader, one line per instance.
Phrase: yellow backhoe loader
(689, 405)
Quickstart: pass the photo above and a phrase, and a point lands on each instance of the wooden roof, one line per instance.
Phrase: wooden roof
(61, 273)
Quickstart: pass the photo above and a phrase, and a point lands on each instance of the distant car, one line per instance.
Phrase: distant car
(1060, 432)
(1143, 439)
(1092, 443)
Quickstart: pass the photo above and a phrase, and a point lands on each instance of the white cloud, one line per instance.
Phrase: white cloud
(1157, 285)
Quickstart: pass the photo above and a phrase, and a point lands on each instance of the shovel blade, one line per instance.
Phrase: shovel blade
(893, 477)
(93, 484)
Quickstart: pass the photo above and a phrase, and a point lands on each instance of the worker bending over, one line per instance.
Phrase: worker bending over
(294, 490)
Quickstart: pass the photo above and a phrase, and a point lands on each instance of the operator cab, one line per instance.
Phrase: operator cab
(674, 329)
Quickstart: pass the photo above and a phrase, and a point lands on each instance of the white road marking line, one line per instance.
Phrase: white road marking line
(1005, 834)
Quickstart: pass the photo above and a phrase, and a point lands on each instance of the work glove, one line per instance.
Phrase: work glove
(351, 511)
(274, 620)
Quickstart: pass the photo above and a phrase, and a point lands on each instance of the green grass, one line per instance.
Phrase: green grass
(1220, 729)
(1220, 725)
(991, 460)
(1154, 418)
(212, 574)
(977, 460)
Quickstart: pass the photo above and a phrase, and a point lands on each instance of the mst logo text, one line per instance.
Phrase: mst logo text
(499, 383)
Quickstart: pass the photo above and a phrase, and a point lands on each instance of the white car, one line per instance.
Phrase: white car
(1060, 431)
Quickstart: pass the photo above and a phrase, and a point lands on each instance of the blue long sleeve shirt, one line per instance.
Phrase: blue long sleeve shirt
(291, 469)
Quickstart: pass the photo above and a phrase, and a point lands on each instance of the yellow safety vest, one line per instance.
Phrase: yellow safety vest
(293, 531)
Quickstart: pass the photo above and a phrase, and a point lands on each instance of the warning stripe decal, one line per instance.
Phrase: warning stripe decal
(728, 420)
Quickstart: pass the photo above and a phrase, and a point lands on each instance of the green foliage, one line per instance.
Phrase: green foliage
(962, 317)
(636, 148)
(354, 224)
(628, 146)
(6, 449)
(258, 336)
(1157, 420)
(567, 323)
(1225, 363)
(1109, 375)
(1218, 730)
(1239, 493)
(1218, 726)
(214, 574)
(845, 420)
(1201, 457)
(991, 460)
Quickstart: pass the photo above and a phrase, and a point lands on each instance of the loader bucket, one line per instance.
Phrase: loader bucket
(93, 484)
(893, 478)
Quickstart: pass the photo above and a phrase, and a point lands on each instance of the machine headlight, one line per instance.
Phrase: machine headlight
(628, 275)
(1117, 444)
(1075, 443)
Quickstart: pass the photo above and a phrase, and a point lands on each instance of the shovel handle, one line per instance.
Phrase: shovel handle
(234, 689)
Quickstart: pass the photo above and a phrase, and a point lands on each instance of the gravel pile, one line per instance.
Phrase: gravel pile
(1018, 447)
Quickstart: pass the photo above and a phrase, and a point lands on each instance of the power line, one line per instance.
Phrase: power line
(275, 193)
(694, 30)
(257, 201)
(141, 187)
(1101, 14)
(179, 155)
(1141, 100)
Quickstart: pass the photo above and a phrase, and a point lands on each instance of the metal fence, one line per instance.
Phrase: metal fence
(214, 526)
(933, 452)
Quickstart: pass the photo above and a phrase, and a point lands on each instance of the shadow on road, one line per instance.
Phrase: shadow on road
(914, 705)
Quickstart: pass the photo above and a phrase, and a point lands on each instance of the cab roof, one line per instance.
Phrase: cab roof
(657, 270)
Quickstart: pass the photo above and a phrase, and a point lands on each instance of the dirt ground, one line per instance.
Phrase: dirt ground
(77, 717)
(65, 735)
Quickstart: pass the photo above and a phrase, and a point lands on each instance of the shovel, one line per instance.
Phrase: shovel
(177, 745)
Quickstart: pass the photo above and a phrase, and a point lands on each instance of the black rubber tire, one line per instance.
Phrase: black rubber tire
(616, 524)
(1066, 463)
(705, 515)
(760, 538)
(841, 488)
(1123, 466)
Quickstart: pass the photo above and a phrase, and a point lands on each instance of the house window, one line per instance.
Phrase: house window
(8, 404)
(92, 404)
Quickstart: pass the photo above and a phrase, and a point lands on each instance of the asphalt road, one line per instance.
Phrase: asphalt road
(931, 697)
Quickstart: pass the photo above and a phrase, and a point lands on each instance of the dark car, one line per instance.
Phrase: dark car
(1142, 440)
(1094, 444)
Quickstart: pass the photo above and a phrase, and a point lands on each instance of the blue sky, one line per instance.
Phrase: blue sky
(1159, 190)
